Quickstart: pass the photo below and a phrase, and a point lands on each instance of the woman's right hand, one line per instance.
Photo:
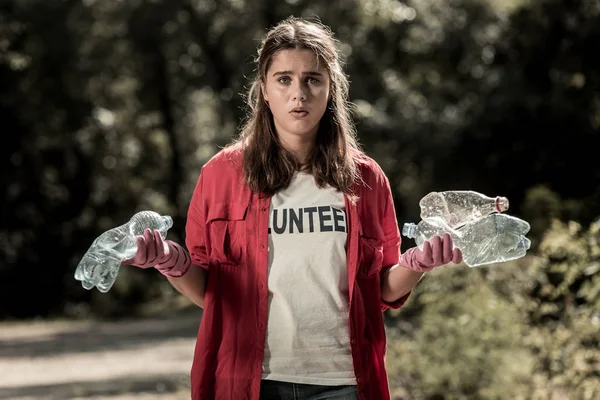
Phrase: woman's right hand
(151, 250)
(168, 257)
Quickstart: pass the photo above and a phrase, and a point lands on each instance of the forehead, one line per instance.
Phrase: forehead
(296, 60)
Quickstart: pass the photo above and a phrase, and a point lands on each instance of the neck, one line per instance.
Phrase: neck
(300, 149)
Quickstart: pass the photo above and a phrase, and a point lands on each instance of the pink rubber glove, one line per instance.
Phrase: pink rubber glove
(436, 252)
(168, 257)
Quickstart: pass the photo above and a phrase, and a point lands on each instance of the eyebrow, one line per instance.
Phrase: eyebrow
(310, 73)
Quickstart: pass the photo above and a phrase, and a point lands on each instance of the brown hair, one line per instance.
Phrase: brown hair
(268, 167)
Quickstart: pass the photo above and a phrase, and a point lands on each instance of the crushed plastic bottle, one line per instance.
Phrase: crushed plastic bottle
(428, 228)
(100, 265)
(491, 239)
(460, 207)
(494, 238)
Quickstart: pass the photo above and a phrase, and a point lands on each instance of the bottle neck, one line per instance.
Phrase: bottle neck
(409, 230)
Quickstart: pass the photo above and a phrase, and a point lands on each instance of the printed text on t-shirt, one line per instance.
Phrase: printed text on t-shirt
(307, 219)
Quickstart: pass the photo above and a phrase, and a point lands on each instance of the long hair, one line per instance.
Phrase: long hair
(268, 167)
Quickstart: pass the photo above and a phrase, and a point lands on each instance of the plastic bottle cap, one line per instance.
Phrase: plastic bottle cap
(501, 204)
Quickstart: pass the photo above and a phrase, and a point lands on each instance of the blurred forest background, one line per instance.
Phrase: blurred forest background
(109, 107)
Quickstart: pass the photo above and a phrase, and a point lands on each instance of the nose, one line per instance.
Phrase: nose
(299, 93)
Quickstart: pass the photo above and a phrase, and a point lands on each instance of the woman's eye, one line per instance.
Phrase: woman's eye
(312, 80)
(284, 80)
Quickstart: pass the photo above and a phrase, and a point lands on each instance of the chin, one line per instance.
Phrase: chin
(303, 132)
(303, 128)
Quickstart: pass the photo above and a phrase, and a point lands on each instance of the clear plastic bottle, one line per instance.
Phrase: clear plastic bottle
(100, 264)
(459, 207)
(494, 238)
(491, 239)
(427, 228)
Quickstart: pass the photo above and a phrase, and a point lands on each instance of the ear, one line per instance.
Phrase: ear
(263, 90)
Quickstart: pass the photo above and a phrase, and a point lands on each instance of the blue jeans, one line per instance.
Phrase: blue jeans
(274, 390)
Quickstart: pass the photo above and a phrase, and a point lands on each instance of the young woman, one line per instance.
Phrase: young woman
(293, 248)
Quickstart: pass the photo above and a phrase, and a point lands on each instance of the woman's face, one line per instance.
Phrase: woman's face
(296, 86)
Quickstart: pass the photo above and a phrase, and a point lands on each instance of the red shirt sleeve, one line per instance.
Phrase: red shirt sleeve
(195, 226)
(392, 238)
(391, 233)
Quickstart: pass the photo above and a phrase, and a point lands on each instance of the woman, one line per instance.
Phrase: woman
(294, 248)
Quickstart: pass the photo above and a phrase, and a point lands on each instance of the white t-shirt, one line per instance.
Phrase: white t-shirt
(308, 338)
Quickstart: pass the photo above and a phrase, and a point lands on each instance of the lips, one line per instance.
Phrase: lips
(299, 112)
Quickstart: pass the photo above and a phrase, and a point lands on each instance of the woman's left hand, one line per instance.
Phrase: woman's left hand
(436, 252)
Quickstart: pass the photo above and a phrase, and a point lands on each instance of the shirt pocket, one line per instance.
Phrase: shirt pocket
(227, 233)
(371, 256)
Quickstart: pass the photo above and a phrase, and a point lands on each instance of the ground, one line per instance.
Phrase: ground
(135, 359)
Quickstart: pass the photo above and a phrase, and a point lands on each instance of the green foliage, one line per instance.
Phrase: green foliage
(524, 329)
(466, 342)
(115, 109)
(540, 207)
(565, 311)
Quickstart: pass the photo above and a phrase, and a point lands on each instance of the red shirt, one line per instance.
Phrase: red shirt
(227, 233)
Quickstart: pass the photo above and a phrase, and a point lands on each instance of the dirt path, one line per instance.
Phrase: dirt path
(124, 360)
